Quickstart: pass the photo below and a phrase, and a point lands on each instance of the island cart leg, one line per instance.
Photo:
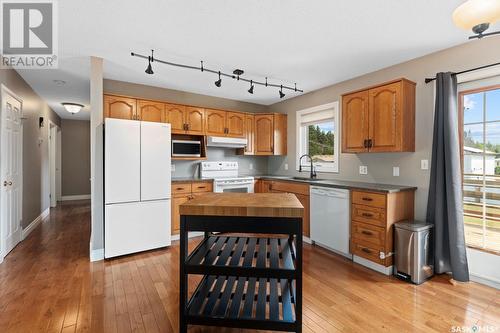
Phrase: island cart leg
(298, 281)
(183, 277)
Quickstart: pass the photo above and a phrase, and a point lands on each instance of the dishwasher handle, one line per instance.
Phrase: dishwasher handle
(330, 192)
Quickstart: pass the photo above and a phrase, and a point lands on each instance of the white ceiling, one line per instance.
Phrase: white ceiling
(313, 43)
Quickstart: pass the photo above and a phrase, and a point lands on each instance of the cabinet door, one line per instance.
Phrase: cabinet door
(385, 118)
(120, 107)
(151, 111)
(176, 217)
(235, 124)
(355, 122)
(216, 122)
(264, 136)
(176, 115)
(249, 134)
(195, 120)
(304, 200)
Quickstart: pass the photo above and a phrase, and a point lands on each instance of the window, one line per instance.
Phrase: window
(481, 167)
(318, 136)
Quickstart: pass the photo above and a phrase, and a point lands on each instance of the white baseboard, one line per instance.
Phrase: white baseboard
(26, 231)
(376, 267)
(486, 280)
(75, 197)
(96, 255)
(192, 234)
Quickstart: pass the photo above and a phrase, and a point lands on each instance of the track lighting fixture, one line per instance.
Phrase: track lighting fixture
(281, 92)
(251, 87)
(235, 75)
(149, 70)
(218, 82)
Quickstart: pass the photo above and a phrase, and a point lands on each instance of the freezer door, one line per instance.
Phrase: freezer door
(122, 161)
(155, 161)
(135, 227)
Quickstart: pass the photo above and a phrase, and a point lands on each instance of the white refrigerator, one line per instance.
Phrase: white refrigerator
(136, 186)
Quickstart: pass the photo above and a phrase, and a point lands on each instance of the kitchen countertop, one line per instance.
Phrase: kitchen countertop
(349, 185)
(191, 179)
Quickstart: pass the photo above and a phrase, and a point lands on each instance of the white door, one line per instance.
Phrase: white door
(11, 172)
(122, 161)
(155, 161)
(53, 129)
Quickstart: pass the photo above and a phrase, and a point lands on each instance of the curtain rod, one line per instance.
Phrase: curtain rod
(427, 80)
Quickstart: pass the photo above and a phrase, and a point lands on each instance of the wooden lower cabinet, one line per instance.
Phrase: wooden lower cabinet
(183, 192)
(300, 190)
(372, 218)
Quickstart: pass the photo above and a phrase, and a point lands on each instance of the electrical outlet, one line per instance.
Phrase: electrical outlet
(250, 166)
(172, 168)
(286, 166)
(363, 170)
(395, 171)
(424, 164)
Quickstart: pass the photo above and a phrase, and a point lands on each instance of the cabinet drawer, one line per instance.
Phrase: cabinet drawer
(290, 187)
(368, 199)
(181, 188)
(367, 251)
(368, 233)
(370, 215)
(202, 187)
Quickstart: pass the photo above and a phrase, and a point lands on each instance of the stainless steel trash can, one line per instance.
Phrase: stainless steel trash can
(413, 251)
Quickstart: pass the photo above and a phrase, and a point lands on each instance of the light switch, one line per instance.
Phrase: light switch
(172, 168)
(395, 171)
(424, 164)
(250, 166)
(363, 170)
(286, 166)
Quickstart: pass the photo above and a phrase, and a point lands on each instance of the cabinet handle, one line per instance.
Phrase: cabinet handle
(370, 143)
(366, 250)
(201, 187)
(369, 233)
(367, 215)
(365, 143)
(366, 199)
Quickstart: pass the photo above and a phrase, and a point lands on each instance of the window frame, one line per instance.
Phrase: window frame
(461, 95)
(302, 138)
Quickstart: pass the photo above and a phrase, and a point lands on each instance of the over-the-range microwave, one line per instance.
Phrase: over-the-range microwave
(186, 148)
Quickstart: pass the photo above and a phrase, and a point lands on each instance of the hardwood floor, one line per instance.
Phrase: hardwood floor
(47, 284)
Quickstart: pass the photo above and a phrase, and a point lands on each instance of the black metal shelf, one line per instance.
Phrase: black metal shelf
(243, 256)
(257, 303)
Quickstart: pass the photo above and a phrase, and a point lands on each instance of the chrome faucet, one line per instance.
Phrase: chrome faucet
(313, 171)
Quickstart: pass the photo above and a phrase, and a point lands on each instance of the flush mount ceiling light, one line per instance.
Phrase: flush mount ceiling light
(72, 107)
(477, 15)
(236, 75)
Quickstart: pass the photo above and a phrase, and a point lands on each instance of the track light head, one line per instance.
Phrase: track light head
(251, 87)
(218, 83)
(149, 70)
(282, 94)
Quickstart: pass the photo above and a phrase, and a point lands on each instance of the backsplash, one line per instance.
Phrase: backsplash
(248, 165)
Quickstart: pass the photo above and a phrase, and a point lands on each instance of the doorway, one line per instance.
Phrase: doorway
(11, 136)
(54, 163)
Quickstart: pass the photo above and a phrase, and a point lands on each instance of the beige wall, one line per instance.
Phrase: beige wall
(36, 187)
(465, 56)
(75, 137)
(181, 97)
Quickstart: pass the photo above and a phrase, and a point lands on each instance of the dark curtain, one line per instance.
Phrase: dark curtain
(444, 206)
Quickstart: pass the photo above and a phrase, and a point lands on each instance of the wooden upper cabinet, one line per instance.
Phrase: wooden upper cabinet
(151, 111)
(280, 134)
(215, 122)
(249, 135)
(176, 115)
(385, 118)
(120, 107)
(235, 124)
(195, 120)
(264, 134)
(355, 122)
(379, 119)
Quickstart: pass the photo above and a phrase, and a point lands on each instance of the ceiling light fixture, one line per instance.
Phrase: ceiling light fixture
(236, 75)
(251, 87)
(281, 92)
(477, 15)
(149, 70)
(72, 107)
(218, 82)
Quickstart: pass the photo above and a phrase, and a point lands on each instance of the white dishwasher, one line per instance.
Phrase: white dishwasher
(330, 218)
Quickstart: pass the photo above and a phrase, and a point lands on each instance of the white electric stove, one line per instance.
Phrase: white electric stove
(225, 176)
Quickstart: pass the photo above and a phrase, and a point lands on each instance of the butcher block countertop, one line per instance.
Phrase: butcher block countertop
(244, 204)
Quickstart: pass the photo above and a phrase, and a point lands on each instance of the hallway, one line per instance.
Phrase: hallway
(47, 284)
